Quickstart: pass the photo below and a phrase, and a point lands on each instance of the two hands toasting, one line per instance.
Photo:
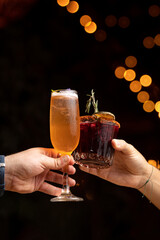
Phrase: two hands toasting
(33, 170)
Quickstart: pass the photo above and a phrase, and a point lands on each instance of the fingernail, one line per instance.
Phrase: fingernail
(65, 158)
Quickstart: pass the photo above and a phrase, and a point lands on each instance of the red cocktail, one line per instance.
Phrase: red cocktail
(95, 149)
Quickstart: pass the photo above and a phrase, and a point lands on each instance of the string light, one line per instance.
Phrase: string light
(154, 10)
(143, 96)
(157, 106)
(110, 20)
(129, 74)
(85, 19)
(152, 162)
(91, 27)
(123, 22)
(148, 106)
(119, 72)
(135, 86)
(100, 35)
(131, 61)
(63, 3)
(72, 7)
(157, 39)
(148, 42)
(146, 80)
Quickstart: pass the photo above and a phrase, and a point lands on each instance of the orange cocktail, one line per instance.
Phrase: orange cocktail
(65, 132)
(64, 121)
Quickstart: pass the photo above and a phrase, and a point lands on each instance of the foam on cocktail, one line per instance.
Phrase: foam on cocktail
(66, 93)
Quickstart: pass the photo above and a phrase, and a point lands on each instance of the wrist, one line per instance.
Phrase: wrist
(8, 174)
(145, 177)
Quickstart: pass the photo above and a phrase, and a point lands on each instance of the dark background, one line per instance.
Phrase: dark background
(48, 49)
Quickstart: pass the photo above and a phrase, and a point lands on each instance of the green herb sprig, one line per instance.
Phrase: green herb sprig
(92, 101)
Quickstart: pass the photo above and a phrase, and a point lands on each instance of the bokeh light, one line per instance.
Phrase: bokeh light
(148, 42)
(131, 61)
(63, 3)
(85, 19)
(111, 20)
(129, 75)
(143, 96)
(90, 27)
(154, 10)
(123, 22)
(100, 35)
(135, 86)
(157, 39)
(152, 162)
(146, 80)
(72, 7)
(148, 106)
(157, 106)
(119, 72)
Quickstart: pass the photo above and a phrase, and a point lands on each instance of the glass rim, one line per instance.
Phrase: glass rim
(59, 91)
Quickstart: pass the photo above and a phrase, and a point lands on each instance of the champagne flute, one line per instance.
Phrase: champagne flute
(65, 132)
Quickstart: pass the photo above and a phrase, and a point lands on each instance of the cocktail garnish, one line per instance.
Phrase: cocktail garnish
(106, 115)
(59, 90)
(92, 101)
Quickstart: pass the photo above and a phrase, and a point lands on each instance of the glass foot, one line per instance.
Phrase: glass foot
(66, 198)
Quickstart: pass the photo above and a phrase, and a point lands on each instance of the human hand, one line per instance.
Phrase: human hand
(28, 171)
(129, 167)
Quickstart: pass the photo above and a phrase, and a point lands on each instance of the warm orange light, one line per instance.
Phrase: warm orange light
(119, 72)
(131, 61)
(100, 35)
(148, 106)
(148, 42)
(146, 80)
(152, 162)
(85, 19)
(157, 106)
(123, 22)
(154, 10)
(129, 75)
(72, 7)
(111, 20)
(63, 3)
(159, 114)
(135, 86)
(91, 28)
(157, 39)
(143, 96)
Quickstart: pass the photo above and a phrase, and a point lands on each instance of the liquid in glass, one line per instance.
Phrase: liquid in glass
(95, 149)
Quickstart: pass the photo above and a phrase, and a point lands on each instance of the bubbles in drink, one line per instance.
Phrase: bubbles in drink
(64, 121)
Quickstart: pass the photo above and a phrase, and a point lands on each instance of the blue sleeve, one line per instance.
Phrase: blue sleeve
(2, 175)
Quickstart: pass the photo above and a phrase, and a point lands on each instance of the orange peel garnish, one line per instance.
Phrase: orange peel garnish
(107, 115)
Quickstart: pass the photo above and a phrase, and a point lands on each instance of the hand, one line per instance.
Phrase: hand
(129, 167)
(28, 171)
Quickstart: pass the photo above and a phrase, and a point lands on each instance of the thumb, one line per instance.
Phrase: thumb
(57, 163)
(123, 146)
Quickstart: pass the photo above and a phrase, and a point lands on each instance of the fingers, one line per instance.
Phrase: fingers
(49, 189)
(123, 146)
(50, 152)
(58, 178)
(56, 163)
